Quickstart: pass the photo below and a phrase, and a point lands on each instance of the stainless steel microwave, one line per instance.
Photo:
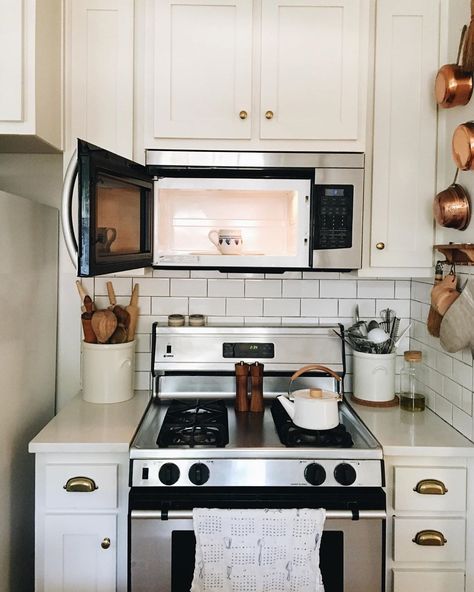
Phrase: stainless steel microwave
(231, 211)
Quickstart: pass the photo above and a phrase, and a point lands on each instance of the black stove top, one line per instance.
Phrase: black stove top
(291, 435)
(195, 423)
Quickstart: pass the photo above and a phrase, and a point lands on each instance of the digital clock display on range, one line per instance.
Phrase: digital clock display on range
(248, 350)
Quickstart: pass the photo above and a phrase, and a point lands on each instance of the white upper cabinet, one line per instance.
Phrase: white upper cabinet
(203, 69)
(253, 74)
(30, 76)
(405, 123)
(310, 70)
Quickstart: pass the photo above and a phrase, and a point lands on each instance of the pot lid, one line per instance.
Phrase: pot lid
(316, 395)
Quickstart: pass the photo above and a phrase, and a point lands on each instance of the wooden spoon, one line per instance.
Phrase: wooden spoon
(104, 323)
(123, 321)
(132, 310)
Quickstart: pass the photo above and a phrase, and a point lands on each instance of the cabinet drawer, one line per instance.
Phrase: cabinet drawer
(102, 478)
(431, 482)
(406, 529)
(434, 581)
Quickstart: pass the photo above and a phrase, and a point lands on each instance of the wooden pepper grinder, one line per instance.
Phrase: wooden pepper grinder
(241, 388)
(256, 401)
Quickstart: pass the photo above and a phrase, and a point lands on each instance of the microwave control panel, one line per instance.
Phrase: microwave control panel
(332, 215)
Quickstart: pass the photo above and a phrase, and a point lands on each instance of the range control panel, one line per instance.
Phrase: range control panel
(333, 214)
(248, 350)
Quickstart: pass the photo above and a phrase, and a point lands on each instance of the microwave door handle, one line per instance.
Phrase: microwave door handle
(66, 208)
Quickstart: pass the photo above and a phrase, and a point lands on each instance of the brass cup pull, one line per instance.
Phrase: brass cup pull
(380, 246)
(269, 114)
(105, 544)
(243, 115)
(430, 538)
(80, 484)
(430, 487)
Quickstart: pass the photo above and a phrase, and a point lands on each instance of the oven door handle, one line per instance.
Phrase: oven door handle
(188, 515)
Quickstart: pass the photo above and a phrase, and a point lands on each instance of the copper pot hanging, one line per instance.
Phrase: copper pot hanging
(452, 208)
(454, 84)
(463, 146)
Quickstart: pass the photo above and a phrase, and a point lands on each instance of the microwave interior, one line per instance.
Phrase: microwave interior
(270, 215)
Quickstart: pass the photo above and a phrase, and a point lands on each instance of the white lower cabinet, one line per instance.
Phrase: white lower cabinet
(80, 552)
(81, 522)
(432, 581)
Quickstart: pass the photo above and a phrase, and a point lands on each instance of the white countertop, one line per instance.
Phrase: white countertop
(403, 433)
(89, 427)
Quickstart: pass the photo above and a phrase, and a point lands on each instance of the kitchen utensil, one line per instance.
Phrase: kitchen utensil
(433, 321)
(111, 293)
(453, 85)
(83, 294)
(378, 335)
(89, 335)
(313, 409)
(463, 146)
(451, 207)
(104, 323)
(256, 377)
(227, 240)
(444, 294)
(399, 340)
(372, 325)
(241, 402)
(133, 310)
(123, 321)
(88, 304)
(468, 53)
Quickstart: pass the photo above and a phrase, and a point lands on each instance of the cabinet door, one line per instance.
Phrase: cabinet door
(404, 133)
(75, 559)
(203, 68)
(11, 60)
(310, 69)
(434, 581)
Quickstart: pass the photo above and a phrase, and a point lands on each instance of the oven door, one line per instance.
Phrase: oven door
(162, 550)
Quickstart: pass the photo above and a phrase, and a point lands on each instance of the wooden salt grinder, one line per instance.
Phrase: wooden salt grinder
(241, 381)
(256, 401)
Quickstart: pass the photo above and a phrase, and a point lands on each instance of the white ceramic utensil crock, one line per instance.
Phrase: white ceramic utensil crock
(313, 409)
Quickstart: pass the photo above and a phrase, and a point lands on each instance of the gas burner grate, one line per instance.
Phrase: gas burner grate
(195, 424)
(291, 435)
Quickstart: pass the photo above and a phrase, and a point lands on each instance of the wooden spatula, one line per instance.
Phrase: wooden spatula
(104, 323)
(132, 310)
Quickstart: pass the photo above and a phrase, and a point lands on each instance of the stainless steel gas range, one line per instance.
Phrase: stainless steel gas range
(193, 449)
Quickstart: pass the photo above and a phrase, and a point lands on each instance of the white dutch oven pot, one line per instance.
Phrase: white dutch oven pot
(313, 409)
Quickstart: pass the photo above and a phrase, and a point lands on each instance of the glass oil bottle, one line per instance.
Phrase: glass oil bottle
(410, 399)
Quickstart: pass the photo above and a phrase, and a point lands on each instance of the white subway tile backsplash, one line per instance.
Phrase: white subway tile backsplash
(265, 321)
(463, 423)
(452, 391)
(143, 381)
(246, 307)
(319, 307)
(467, 398)
(207, 306)
(444, 364)
(366, 307)
(154, 287)
(225, 288)
(281, 307)
(171, 273)
(462, 374)
(144, 305)
(263, 288)
(402, 289)
(142, 362)
(218, 321)
(169, 305)
(143, 343)
(444, 409)
(188, 287)
(300, 289)
(122, 286)
(376, 289)
(338, 289)
(401, 307)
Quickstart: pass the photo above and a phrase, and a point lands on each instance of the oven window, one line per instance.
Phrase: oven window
(331, 560)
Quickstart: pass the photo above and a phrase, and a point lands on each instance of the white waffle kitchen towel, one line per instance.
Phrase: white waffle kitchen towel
(257, 550)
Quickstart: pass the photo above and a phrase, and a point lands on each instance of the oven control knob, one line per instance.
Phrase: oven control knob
(169, 474)
(345, 474)
(198, 474)
(315, 474)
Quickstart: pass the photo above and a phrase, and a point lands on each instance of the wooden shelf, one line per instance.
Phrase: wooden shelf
(458, 253)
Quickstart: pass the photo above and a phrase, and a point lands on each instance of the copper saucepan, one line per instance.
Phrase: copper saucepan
(452, 208)
(463, 146)
(453, 84)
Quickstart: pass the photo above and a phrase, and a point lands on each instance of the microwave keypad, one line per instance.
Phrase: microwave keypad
(333, 217)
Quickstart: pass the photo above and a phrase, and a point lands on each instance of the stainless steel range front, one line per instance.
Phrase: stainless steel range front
(194, 450)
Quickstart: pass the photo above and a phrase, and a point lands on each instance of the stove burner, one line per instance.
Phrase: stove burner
(291, 435)
(197, 423)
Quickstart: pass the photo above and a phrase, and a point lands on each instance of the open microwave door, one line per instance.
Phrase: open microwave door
(115, 212)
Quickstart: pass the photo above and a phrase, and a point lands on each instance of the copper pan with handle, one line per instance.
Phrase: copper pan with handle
(451, 207)
(454, 85)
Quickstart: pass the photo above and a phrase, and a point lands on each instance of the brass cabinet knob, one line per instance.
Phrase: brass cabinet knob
(80, 484)
(269, 114)
(105, 544)
(430, 487)
(243, 115)
(380, 246)
(430, 538)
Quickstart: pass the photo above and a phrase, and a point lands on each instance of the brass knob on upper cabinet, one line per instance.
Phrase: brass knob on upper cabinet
(105, 544)
(380, 246)
(269, 114)
(243, 115)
